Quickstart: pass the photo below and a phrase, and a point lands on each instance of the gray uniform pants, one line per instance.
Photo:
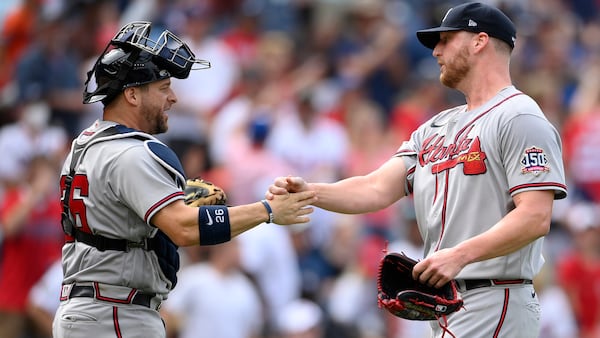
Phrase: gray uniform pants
(507, 311)
(88, 317)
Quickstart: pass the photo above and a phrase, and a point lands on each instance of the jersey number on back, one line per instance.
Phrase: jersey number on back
(80, 188)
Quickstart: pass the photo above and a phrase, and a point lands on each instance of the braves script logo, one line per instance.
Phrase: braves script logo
(465, 151)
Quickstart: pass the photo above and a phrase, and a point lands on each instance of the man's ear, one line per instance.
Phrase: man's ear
(481, 39)
(131, 96)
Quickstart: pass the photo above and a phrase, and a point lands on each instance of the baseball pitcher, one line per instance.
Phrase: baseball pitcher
(483, 175)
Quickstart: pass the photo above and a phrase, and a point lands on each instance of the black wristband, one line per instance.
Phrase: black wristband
(213, 224)
(269, 211)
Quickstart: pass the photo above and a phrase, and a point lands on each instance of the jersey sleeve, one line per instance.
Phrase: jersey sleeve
(532, 155)
(409, 150)
(143, 183)
(408, 153)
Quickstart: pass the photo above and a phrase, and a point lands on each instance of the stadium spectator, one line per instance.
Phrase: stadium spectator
(44, 299)
(17, 32)
(300, 319)
(48, 71)
(29, 214)
(578, 273)
(222, 303)
(200, 95)
(580, 136)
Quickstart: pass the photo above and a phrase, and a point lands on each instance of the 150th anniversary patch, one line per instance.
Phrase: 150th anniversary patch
(534, 161)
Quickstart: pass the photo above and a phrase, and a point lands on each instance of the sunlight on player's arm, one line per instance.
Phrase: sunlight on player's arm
(180, 222)
(361, 194)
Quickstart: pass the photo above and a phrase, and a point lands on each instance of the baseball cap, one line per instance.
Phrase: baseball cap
(472, 17)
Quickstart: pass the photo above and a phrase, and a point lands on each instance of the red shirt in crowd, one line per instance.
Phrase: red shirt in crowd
(26, 255)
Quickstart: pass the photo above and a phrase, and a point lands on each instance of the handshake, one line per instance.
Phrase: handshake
(287, 200)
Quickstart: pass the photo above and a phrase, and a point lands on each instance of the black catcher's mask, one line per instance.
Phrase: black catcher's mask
(136, 56)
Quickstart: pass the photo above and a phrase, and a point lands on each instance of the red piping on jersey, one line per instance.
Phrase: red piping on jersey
(159, 203)
(437, 186)
(448, 173)
(503, 314)
(402, 152)
(410, 171)
(444, 205)
(482, 114)
(116, 322)
(536, 185)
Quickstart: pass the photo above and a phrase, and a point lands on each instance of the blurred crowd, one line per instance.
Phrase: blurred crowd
(323, 89)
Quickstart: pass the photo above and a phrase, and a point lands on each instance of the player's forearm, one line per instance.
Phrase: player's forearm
(354, 195)
(246, 217)
(184, 228)
(214, 224)
(526, 223)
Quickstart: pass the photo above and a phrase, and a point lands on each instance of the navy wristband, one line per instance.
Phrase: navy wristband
(213, 224)
(269, 210)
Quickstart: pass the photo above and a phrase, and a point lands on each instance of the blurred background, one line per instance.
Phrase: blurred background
(322, 89)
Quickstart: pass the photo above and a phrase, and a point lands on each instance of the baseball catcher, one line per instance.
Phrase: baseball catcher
(406, 297)
(200, 192)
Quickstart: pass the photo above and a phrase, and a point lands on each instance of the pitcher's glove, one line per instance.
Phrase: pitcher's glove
(407, 298)
(199, 192)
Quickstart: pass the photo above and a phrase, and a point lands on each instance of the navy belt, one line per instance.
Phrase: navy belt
(470, 284)
(143, 299)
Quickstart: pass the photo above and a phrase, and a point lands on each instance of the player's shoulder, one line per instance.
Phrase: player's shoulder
(110, 140)
(514, 102)
(151, 153)
(101, 131)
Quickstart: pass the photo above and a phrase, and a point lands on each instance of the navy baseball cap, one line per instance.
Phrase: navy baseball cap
(472, 17)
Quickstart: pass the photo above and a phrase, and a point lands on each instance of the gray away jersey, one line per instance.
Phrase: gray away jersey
(464, 167)
(117, 189)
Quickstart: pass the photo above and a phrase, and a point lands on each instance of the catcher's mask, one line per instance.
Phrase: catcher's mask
(136, 55)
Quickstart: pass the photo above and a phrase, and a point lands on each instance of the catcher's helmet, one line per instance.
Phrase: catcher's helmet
(136, 56)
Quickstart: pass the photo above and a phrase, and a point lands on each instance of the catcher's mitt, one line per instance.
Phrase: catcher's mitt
(199, 192)
(407, 298)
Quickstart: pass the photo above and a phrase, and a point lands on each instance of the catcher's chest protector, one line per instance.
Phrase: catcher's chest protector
(165, 249)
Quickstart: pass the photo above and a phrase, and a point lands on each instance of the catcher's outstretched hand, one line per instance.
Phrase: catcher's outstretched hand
(284, 185)
(292, 208)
